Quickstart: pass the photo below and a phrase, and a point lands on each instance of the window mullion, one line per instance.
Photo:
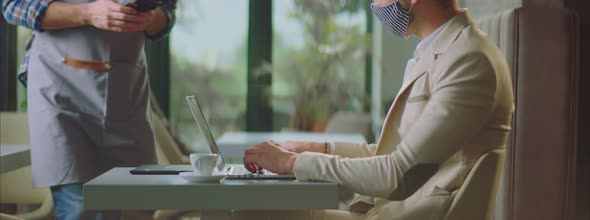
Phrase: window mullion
(259, 108)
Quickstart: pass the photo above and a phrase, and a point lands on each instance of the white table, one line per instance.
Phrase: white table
(119, 190)
(13, 157)
(233, 144)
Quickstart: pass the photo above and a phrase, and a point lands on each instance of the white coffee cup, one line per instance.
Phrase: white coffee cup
(203, 164)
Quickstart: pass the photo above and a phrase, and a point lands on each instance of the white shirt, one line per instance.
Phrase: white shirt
(422, 46)
(426, 42)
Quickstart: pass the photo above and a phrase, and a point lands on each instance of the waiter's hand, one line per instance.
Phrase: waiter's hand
(271, 156)
(111, 16)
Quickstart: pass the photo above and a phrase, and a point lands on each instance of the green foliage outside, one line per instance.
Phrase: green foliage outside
(310, 82)
(327, 74)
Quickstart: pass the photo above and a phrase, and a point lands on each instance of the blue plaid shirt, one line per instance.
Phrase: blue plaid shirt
(30, 13)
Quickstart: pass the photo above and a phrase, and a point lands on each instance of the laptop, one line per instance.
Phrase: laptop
(161, 169)
(231, 171)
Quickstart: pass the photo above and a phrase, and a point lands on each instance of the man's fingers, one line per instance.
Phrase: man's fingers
(250, 162)
(251, 158)
(116, 23)
(122, 26)
(127, 17)
(120, 8)
(112, 25)
(250, 167)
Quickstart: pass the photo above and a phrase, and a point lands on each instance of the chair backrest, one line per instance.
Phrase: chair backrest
(350, 122)
(167, 150)
(540, 45)
(470, 202)
(17, 186)
(14, 128)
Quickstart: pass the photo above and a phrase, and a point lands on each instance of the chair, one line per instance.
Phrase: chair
(9, 217)
(350, 122)
(168, 152)
(167, 148)
(541, 46)
(469, 202)
(16, 186)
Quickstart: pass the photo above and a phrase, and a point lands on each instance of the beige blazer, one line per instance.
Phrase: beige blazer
(455, 104)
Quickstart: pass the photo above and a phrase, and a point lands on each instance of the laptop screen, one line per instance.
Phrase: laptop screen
(195, 108)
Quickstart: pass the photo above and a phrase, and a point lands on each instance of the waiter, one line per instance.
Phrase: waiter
(88, 91)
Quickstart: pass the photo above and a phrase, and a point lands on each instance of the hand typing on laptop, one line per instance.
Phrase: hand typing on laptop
(271, 156)
(231, 170)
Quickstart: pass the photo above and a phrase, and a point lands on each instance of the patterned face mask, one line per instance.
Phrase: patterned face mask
(395, 19)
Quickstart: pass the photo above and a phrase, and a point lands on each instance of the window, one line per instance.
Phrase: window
(208, 59)
(319, 50)
(23, 35)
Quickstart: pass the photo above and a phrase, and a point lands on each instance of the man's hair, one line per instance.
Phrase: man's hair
(445, 3)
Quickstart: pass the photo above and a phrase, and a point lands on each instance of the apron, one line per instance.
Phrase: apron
(88, 104)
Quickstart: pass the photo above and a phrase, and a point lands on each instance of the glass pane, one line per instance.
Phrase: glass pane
(318, 61)
(23, 35)
(208, 59)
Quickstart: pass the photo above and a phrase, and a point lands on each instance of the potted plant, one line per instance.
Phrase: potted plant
(324, 75)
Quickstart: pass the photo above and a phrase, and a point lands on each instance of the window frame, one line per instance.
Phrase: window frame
(158, 66)
(258, 104)
(8, 66)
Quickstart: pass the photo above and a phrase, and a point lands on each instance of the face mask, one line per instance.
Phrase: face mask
(395, 19)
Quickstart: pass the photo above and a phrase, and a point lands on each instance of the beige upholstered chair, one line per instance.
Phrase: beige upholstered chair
(540, 45)
(166, 147)
(16, 185)
(168, 152)
(469, 202)
(350, 122)
(9, 217)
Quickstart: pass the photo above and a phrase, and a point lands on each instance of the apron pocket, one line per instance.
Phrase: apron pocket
(85, 87)
(99, 66)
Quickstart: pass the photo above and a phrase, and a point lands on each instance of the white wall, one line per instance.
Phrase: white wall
(485, 7)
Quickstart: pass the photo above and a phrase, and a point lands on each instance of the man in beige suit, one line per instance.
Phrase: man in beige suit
(454, 106)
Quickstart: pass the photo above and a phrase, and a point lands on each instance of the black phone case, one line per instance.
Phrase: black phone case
(142, 5)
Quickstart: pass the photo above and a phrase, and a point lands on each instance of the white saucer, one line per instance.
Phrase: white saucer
(193, 178)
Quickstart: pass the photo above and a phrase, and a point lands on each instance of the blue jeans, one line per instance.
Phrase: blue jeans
(69, 205)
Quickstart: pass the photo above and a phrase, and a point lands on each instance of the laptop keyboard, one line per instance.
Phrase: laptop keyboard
(242, 171)
(237, 171)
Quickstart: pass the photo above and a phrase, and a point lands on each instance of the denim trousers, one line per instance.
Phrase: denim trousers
(69, 205)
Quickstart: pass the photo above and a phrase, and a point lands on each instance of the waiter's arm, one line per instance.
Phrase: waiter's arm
(50, 15)
(163, 21)
(102, 14)
(25, 13)
(158, 24)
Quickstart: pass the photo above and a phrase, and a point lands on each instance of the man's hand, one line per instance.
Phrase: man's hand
(271, 156)
(111, 16)
(300, 147)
